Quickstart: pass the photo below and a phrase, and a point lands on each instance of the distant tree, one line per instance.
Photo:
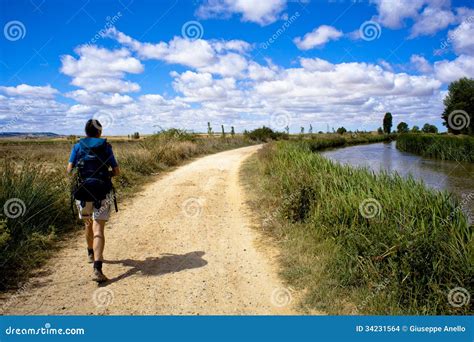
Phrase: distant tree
(287, 129)
(341, 130)
(209, 129)
(402, 127)
(415, 129)
(232, 131)
(320, 132)
(128, 136)
(380, 130)
(310, 131)
(459, 107)
(302, 130)
(387, 123)
(136, 135)
(427, 128)
(223, 132)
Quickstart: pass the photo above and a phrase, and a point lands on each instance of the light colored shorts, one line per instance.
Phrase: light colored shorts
(90, 211)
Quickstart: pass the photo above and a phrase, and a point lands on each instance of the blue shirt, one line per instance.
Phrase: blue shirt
(110, 154)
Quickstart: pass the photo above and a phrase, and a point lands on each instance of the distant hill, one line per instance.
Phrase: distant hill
(29, 135)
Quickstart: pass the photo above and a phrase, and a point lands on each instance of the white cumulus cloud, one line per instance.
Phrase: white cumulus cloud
(30, 91)
(421, 64)
(260, 12)
(448, 71)
(318, 37)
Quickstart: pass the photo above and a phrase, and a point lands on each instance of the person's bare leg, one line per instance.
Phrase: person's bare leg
(99, 243)
(89, 233)
(89, 239)
(99, 239)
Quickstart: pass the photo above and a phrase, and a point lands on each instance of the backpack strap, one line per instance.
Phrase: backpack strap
(97, 204)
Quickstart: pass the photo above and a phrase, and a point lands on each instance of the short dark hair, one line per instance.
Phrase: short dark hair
(93, 128)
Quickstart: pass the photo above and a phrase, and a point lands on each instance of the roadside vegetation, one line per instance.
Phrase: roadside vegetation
(322, 141)
(355, 242)
(34, 189)
(458, 143)
(444, 147)
(265, 134)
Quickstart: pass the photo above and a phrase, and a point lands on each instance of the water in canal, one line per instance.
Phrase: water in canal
(452, 176)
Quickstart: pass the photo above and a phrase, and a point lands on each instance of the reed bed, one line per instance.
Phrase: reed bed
(445, 147)
(358, 242)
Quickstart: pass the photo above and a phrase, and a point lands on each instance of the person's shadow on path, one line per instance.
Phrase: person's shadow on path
(156, 266)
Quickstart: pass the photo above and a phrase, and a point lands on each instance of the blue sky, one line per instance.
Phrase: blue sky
(140, 65)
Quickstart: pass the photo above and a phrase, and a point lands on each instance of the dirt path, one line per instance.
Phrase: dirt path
(184, 245)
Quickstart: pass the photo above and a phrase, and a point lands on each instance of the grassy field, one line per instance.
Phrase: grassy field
(357, 242)
(35, 188)
(445, 147)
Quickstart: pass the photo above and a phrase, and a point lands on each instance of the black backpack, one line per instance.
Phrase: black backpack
(93, 181)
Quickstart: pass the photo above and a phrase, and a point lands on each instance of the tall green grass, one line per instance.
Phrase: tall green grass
(33, 180)
(359, 242)
(322, 141)
(445, 147)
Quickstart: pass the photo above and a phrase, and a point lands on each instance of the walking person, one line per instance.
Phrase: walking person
(95, 162)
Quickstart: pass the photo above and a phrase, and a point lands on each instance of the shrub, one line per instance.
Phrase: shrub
(265, 134)
(427, 128)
